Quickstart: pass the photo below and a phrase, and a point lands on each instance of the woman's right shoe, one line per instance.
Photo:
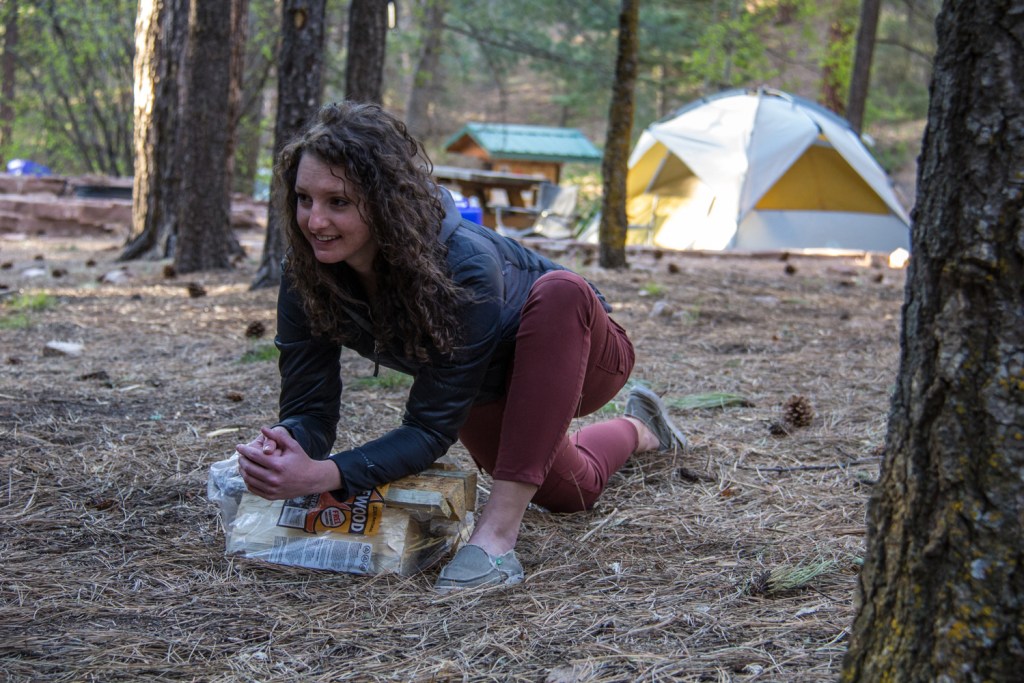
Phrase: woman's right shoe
(644, 405)
(472, 566)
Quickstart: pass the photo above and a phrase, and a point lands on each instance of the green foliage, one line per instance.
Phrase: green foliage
(790, 577)
(533, 60)
(893, 155)
(15, 321)
(36, 301)
(588, 180)
(261, 353)
(571, 58)
(837, 59)
(73, 96)
(386, 379)
(652, 289)
(670, 36)
(686, 49)
(730, 52)
(901, 69)
(18, 309)
(255, 131)
(739, 43)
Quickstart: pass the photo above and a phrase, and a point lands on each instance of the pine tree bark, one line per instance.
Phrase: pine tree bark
(942, 587)
(614, 165)
(205, 240)
(255, 73)
(7, 69)
(864, 52)
(367, 46)
(236, 79)
(300, 67)
(832, 85)
(426, 79)
(161, 33)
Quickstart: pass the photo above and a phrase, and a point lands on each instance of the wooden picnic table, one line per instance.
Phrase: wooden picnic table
(519, 189)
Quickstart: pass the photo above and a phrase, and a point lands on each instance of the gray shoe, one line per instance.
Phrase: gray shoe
(644, 405)
(472, 566)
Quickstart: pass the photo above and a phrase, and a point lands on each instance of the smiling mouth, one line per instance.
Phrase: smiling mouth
(325, 238)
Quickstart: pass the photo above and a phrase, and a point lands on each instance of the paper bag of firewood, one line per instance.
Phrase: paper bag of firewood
(402, 527)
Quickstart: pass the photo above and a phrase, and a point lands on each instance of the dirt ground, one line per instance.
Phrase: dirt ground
(734, 561)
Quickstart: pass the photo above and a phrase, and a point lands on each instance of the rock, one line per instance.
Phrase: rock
(61, 348)
(115, 277)
(662, 309)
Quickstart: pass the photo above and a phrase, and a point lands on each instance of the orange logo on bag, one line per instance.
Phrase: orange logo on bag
(361, 514)
(332, 517)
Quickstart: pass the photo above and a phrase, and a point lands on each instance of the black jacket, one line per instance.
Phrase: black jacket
(498, 272)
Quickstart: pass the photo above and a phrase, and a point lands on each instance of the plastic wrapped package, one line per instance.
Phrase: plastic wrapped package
(402, 527)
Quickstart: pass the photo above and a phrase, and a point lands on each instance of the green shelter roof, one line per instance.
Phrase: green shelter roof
(521, 141)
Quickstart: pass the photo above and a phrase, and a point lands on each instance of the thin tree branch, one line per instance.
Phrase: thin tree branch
(799, 468)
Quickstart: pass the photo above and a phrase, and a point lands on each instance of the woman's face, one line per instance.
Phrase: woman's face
(328, 215)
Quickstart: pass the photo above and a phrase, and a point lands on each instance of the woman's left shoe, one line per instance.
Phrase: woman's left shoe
(473, 566)
(644, 405)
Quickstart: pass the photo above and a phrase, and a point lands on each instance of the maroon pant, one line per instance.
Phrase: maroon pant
(570, 360)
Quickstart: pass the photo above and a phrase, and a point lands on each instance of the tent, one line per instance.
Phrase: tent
(759, 170)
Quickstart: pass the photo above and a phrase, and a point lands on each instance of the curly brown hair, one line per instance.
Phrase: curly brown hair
(415, 302)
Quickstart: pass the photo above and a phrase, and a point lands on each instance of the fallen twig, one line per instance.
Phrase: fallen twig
(797, 468)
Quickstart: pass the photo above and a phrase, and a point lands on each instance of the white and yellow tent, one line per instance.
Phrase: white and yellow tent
(760, 170)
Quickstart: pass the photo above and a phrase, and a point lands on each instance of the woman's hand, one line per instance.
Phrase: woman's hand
(274, 466)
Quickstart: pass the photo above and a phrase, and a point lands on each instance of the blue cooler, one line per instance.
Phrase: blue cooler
(468, 211)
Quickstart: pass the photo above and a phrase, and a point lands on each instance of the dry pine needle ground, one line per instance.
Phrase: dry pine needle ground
(735, 561)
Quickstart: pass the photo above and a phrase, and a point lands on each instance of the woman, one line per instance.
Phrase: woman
(505, 346)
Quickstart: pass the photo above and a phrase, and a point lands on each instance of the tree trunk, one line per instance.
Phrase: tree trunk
(730, 46)
(300, 67)
(7, 69)
(262, 27)
(832, 81)
(247, 141)
(161, 32)
(236, 79)
(367, 46)
(205, 240)
(617, 141)
(942, 588)
(427, 77)
(255, 72)
(860, 78)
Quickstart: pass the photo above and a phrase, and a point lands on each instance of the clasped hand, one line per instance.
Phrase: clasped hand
(276, 467)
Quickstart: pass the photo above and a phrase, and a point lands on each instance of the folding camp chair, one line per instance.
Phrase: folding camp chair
(555, 213)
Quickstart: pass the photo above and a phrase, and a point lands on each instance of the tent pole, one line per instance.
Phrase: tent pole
(661, 165)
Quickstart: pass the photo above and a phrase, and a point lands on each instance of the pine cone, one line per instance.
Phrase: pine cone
(196, 290)
(759, 582)
(255, 330)
(798, 411)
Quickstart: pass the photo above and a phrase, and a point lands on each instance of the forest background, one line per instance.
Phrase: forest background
(735, 561)
(67, 95)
